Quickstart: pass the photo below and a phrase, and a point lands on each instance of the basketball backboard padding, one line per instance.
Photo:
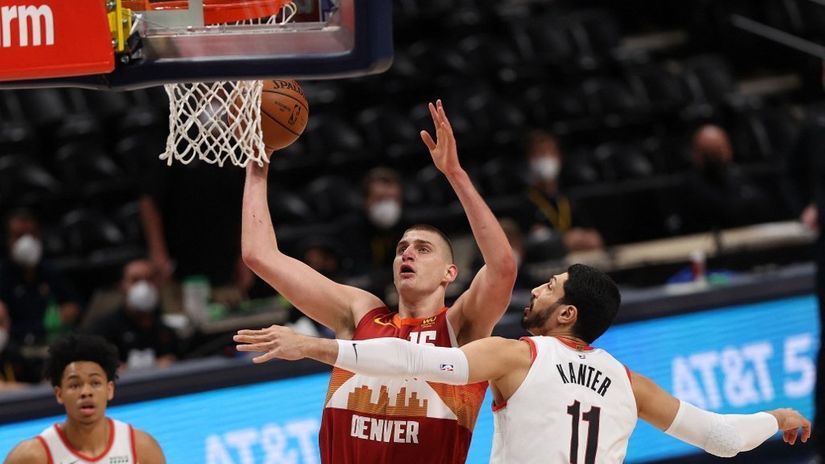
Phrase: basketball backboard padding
(54, 38)
(357, 40)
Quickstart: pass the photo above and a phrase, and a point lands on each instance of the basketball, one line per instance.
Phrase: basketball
(284, 113)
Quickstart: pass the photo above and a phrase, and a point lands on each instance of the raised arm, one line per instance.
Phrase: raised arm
(334, 305)
(491, 358)
(722, 435)
(476, 311)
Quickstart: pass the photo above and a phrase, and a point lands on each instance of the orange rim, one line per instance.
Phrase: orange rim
(225, 11)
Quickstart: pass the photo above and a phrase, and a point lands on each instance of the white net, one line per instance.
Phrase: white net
(217, 122)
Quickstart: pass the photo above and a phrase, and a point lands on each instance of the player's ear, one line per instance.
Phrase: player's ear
(110, 390)
(451, 274)
(58, 394)
(568, 314)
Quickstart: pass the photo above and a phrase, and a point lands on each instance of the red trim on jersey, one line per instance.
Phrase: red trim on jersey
(629, 377)
(133, 445)
(46, 447)
(575, 346)
(399, 322)
(499, 407)
(83, 456)
(533, 350)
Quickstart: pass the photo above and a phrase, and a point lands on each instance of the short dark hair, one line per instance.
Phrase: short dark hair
(25, 214)
(81, 347)
(438, 232)
(379, 174)
(596, 297)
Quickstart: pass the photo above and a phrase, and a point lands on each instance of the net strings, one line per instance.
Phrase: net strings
(217, 122)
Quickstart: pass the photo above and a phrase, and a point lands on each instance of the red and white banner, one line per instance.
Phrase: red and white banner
(54, 38)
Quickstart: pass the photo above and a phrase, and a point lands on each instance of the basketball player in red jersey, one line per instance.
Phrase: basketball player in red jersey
(378, 420)
(82, 369)
(556, 398)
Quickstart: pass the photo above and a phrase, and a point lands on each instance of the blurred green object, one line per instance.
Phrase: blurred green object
(52, 321)
(260, 305)
(217, 311)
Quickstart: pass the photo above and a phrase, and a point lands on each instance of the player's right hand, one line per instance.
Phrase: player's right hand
(275, 341)
(443, 149)
(789, 422)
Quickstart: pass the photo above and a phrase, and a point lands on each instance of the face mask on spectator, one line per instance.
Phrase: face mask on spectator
(546, 167)
(385, 213)
(26, 251)
(142, 296)
(4, 339)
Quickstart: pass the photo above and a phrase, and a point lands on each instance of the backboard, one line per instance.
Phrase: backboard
(127, 44)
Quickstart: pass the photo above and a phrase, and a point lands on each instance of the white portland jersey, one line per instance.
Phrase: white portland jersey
(575, 406)
(120, 448)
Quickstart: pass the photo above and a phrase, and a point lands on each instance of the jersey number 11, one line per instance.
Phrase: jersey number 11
(592, 418)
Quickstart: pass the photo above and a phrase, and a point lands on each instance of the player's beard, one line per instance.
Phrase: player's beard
(536, 319)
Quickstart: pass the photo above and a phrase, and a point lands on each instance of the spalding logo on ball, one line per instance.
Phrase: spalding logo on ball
(284, 113)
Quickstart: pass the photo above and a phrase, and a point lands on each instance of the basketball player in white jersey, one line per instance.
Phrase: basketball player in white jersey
(82, 369)
(556, 399)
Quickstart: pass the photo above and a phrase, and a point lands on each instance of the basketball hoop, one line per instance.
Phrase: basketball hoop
(216, 11)
(220, 121)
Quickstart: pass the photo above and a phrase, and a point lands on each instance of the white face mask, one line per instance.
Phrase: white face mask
(27, 251)
(385, 213)
(142, 296)
(546, 167)
(4, 339)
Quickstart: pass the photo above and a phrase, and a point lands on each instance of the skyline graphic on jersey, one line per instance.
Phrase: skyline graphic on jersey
(360, 400)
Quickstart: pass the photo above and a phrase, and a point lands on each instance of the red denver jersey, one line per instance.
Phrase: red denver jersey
(374, 420)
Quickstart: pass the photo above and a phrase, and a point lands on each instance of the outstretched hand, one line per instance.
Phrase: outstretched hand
(789, 423)
(443, 149)
(274, 341)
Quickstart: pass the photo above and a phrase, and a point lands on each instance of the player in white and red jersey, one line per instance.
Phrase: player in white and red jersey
(82, 369)
(556, 399)
(378, 420)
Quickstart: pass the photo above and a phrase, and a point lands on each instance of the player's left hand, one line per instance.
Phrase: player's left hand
(274, 341)
(443, 150)
(789, 422)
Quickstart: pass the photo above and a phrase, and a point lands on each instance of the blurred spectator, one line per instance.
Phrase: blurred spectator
(718, 194)
(322, 254)
(13, 367)
(548, 212)
(805, 185)
(192, 222)
(136, 328)
(33, 293)
(372, 235)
